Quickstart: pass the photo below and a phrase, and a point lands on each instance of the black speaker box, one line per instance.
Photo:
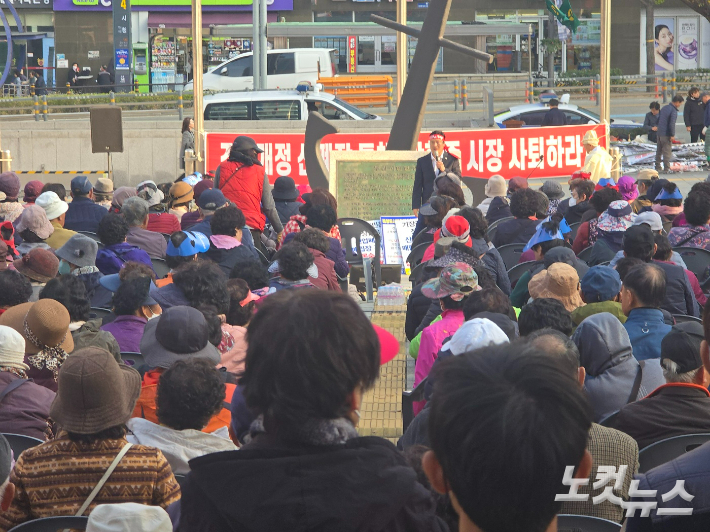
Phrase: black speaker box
(106, 129)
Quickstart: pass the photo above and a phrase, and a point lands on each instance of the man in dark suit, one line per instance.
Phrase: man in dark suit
(429, 167)
(554, 117)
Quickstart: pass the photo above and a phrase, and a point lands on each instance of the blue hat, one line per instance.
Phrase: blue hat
(193, 179)
(113, 282)
(81, 185)
(543, 235)
(600, 283)
(193, 244)
(211, 199)
(665, 195)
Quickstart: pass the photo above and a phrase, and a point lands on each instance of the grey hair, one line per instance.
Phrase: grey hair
(134, 211)
(670, 373)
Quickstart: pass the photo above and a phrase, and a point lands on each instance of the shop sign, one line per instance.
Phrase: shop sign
(122, 43)
(352, 54)
(28, 4)
(542, 152)
(145, 5)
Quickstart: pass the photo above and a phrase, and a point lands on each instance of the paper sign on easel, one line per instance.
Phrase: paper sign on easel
(397, 236)
(405, 234)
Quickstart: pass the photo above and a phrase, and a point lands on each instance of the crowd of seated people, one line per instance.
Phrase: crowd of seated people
(185, 358)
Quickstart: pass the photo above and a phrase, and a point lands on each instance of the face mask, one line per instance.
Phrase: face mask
(64, 267)
(572, 202)
(152, 317)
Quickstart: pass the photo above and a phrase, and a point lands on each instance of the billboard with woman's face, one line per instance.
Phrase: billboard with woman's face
(663, 45)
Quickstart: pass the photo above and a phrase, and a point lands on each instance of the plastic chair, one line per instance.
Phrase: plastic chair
(585, 523)
(408, 399)
(493, 228)
(696, 260)
(609, 420)
(99, 312)
(682, 318)
(669, 449)
(517, 271)
(417, 254)
(510, 253)
(135, 360)
(262, 257)
(20, 442)
(423, 236)
(351, 230)
(53, 524)
(417, 273)
(166, 236)
(585, 254)
(574, 227)
(160, 267)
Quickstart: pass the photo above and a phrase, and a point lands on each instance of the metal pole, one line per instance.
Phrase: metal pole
(36, 107)
(264, 47)
(530, 53)
(401, 48)
(456, 95)
(604, 104)
(180, 106)
(197, 73)
(389, 96)
(255, 44)
(44, 108)
(464, 95)
(111, 98)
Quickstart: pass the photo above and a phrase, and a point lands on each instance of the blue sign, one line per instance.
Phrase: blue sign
(122, 56)
(423, 5)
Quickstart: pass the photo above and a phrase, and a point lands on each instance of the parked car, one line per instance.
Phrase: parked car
(280, 105)
(533, 113)
(284, 70)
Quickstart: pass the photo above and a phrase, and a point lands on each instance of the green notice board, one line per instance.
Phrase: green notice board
(379, 184)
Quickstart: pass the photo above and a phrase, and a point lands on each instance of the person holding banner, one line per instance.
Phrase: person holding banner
(439, 162)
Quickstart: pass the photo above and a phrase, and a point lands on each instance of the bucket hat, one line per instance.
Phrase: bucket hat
(10, 185)
(12, 349)
(45, 327)
(619, 216)
(552, 189)
(32, 190)
(128, 517)
(121, 194)
(94, 392)
(113, 282)
(181, 192)
(79, 250)
(495, 186)
(284, 189)
(103, 185)
(559, 281)
(179, 333)
(52, 205)
(35, 219)
(474, 334)
(40, 265)
(455, 254)
(456, 280)
(516, 183)
(150, 192)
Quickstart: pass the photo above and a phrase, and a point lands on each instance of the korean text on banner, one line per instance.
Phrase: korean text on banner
(367, 243)
(393, 253)
(405, 234)
(484, 152)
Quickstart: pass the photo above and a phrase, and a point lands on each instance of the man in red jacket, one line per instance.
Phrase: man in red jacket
(242, 180)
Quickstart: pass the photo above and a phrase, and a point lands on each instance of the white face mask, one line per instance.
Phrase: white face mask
(153, 317)
(572, 202)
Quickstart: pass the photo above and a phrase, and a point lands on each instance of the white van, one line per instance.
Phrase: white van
(280, 105)
(284, 70)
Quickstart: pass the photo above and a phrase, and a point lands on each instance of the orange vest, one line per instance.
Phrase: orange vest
(145, 407)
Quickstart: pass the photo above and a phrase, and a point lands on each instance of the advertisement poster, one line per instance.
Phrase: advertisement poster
(484, 152)
(664, 28)
(352, 54)
(687, 44)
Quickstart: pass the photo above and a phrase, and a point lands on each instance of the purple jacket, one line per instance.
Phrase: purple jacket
(25, 410)
(336, 253)
(128, 331)
(112, 258)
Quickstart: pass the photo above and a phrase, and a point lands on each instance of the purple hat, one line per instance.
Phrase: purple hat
(10, 185)
(627, 187)
(35, 219)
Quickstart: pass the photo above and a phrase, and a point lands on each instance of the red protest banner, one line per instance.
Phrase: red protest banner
(544, 151)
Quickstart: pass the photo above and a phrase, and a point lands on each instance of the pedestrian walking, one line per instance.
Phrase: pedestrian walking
(666, 133)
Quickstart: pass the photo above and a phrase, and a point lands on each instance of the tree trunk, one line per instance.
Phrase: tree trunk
(650, 52)
(551, 34)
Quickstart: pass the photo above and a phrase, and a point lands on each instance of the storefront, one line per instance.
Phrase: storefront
(681, 40)
(161, 35)
(34, 48)
(579, 51)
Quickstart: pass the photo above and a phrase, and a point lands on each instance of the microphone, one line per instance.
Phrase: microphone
(542, 158)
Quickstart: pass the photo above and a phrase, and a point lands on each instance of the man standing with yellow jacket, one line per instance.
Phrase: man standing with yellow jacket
(598, 161)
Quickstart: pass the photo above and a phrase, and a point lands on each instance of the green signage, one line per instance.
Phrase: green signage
(563, 14)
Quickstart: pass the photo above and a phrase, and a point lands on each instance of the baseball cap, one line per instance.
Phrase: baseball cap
(211, 200)
(682, 346)
(193, 244)
(81, 185)
(474, 334)
(650, 218)
(638, 241)
(600, 283)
